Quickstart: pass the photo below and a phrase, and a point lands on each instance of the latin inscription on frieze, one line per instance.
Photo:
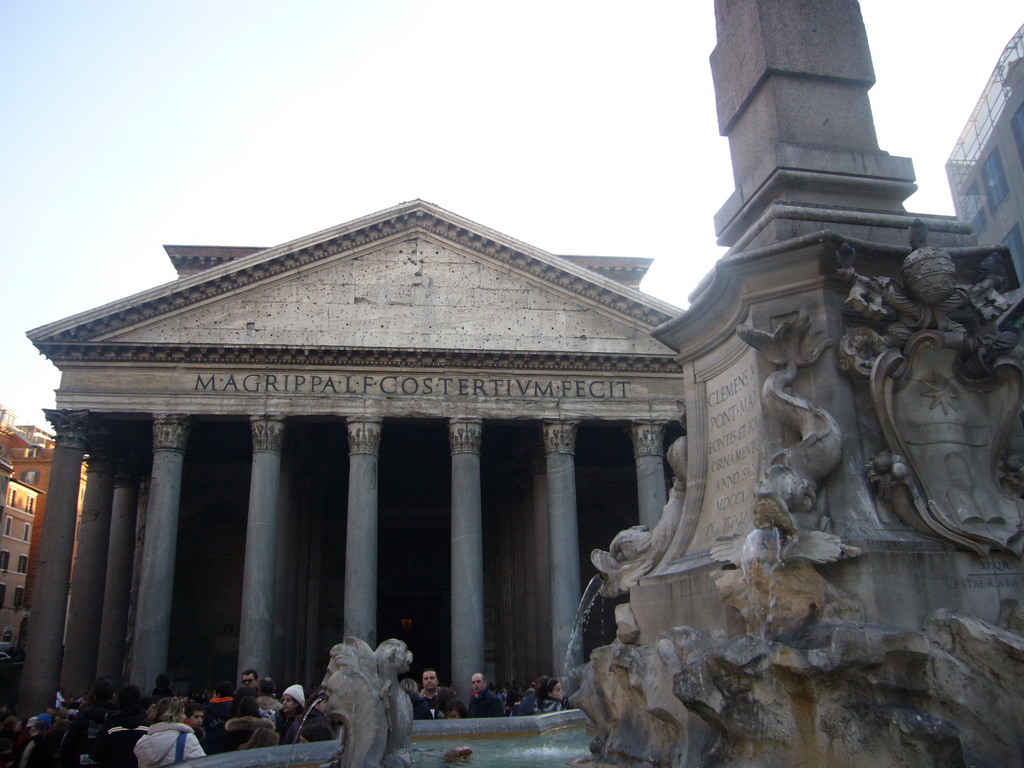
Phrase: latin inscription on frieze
(342, 385)
(733, 452)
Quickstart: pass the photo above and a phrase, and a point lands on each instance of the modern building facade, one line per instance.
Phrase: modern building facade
(986, 167)
(406, 426)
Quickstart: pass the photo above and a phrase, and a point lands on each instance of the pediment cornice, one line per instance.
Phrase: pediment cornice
(415, 218)
(249, 355)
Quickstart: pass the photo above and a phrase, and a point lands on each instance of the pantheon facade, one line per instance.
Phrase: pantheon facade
(405, 426)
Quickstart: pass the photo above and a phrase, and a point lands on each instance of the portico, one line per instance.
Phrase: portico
(395, 428)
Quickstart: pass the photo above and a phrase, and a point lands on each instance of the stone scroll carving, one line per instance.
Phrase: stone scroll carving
(946, 392)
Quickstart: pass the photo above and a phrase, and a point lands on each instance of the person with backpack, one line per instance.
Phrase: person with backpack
(115, 743)
(81, 733)
(169, 739)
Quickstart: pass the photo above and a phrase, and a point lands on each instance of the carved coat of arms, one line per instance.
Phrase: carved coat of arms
(951, 431)
(947, 394)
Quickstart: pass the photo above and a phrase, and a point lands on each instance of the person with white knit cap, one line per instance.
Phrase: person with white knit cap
(293, 703)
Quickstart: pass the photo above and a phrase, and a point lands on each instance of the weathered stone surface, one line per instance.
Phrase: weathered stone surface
(841, 694)
(413, 294)
(614, 694)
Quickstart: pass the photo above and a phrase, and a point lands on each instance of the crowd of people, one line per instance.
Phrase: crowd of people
(129, 730)
(125, 729)
(434, 701)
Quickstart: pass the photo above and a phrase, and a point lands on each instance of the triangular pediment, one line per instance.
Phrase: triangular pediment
(411, 277)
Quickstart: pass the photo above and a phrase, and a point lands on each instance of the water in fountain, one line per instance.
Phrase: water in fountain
(574, 650)
(321, 696)
(762, 554)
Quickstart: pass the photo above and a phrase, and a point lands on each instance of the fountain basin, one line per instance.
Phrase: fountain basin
(538, 739)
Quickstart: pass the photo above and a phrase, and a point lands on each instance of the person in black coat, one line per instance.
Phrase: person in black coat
(484, 702)
(114, 746)
(420, 708)
(218, 710)
(82, 732)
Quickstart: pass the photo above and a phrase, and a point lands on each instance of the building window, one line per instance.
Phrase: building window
(28, 532)
(19, 596)
(7, 526)
(31, 453)
(5, 560)
(3, 594)
(1017, 126)
(30, 476)
(22, 563)
(974, 210)
(31, 506)
(1015, 242)
(995, 180)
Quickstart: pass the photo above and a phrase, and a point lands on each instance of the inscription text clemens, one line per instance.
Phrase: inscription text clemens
(733, 453)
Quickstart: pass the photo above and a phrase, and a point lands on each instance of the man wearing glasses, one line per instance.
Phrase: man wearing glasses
(250, 679)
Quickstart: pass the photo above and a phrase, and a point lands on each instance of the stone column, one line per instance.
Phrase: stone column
(256, 627)
(559, 447)
(648, 452)
(133, 599)
(464, 436)
(539, 565)
(85, 608)
(120, 564)
(286, 565)
(41, 674)
(156, 578)
(361, 543)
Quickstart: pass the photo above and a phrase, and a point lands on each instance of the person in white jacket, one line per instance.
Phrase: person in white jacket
(160, 745)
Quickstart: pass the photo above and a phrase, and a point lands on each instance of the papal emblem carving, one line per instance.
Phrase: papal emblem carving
(950, 431)
(947, 391)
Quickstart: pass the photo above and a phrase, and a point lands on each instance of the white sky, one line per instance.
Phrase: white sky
(581, 127)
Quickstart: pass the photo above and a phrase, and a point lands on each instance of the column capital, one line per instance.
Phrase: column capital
(559, 436)
(128, 470)
(170, 431)
(72, 427)
(648, 437)
(465, 435)
(363, 434)
(100, 446)
(267, 433)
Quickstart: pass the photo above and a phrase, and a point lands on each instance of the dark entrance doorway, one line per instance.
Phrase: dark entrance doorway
(414, 531)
